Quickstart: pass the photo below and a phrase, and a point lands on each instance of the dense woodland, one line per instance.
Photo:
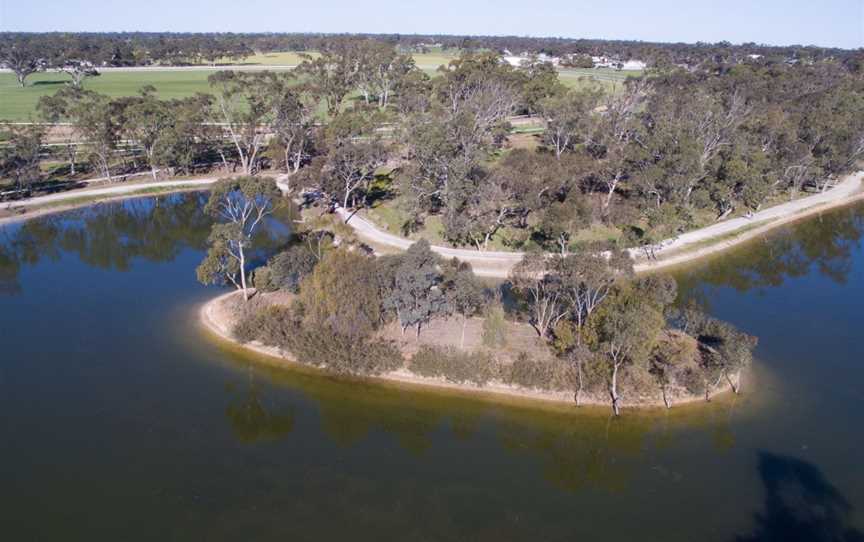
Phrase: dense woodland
(360, 126)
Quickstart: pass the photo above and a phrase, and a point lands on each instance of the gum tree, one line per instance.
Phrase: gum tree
(240, 206)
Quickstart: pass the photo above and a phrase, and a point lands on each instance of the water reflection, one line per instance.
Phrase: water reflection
(106, 236)
(574, 449)
(252, 420)
(800, 505)
(825, 243)
(111, 236)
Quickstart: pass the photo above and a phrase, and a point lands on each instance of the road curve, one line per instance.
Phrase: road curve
(498, 264)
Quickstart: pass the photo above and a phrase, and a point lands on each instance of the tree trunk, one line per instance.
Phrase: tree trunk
(107, 171)
(735, 383)
(462, 340)
(243, 272)
(612, 186)
(613, 391)
(665, 397)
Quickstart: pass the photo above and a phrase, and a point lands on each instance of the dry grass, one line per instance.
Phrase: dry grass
(447, 332)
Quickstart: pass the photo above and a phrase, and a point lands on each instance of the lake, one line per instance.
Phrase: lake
(121, 419)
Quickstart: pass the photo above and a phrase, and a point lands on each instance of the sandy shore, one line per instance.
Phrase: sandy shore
(216, 319)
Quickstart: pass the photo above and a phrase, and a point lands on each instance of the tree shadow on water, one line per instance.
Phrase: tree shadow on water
(800, 505)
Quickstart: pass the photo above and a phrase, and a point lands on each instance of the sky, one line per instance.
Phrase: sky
(836, 23)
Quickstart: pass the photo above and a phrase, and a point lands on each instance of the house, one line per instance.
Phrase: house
(522, 59)
(633, 65)
(515, 61)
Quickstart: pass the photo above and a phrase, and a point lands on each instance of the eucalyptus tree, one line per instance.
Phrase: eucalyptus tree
(488, 208)
(447, 142)
(146, 120)
(243, 105)
(96, 119)
(381, 71)
(53, 109)
(294, 123)
(77, 57)
(614, 132)
(535, 280)
(540, 83)
(239, 205)
(560, 221)
(587, 279)
(569, 117)
(624, 330)
(19, 159)
(355, 152)
(333, 74)
(23, 58)
(416, 296)
(686, 129)
(189, 137)
(726, 352)
(463, 292)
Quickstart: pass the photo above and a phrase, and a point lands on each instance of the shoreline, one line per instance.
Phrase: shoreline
(686, 256)
(77, 200)
(220, 327)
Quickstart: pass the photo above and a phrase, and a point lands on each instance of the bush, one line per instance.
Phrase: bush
(551, 375)
(455, 365)
(495, 326)
(285, 270)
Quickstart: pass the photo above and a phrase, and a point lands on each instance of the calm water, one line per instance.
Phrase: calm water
(121, 420)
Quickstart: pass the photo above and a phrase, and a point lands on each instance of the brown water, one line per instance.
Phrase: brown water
(121, 420)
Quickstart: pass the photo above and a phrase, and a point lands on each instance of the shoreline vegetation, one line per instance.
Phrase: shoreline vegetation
(219, 315)
(578, 325)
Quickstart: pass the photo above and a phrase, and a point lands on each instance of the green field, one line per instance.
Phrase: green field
(611, 80)
(18, 103)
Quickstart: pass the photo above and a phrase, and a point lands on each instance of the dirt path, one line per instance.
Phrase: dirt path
(671, 252)
(115, 190)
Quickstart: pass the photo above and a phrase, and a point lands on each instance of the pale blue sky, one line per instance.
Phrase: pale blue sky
(822, 22)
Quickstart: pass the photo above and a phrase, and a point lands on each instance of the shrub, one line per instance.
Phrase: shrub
(455, 365)
(554, 374)
(495, 326)
(282, 327)
(261, 279)
(287, 269)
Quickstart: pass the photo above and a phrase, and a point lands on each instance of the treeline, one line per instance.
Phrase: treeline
(608, 333)
(142, 49)
(81, 54)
